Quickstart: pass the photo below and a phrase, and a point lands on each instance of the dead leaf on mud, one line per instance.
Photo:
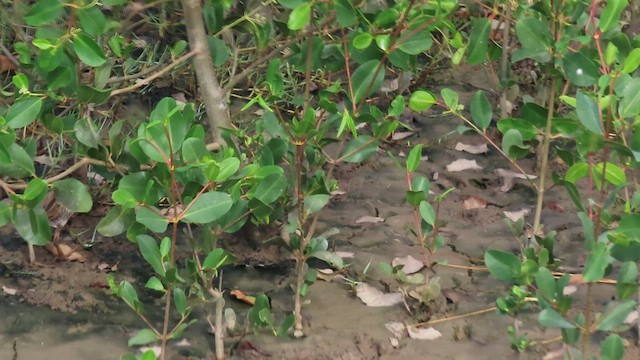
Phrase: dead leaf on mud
(423, 333)
(410, 264)
(516, 215)
(462, 165)
(474, 202)
(241, 296)
(66, 252)
(345, 254)
(9, 291)
(400, 135)
(397, 329)
(555, 207)
(554, 354)
(373, 297)
(183, 343)
(631, 318)
(576, 279)
(569, 290)
(369, 220)
(508, 178)
(472, 149)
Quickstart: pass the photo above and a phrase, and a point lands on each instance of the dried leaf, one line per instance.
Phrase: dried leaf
(369, 219)
(516, 215)
(576, 279)
(555, 207)
(472, 149)
(474, 202)
(230, 320)
(631, 318)
(241, 296)
(9, 291)
(183, 343)
(401, 135)
(462, 165)
(345, 254)
(373, 297)
(558, 353)
(568, 290)
(512, 174)
(66, 252)
(397, 329)
(410, 264)
(423, 333)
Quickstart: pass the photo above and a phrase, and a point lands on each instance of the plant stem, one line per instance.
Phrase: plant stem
(504, 62)
(586, 331)
(545, 157)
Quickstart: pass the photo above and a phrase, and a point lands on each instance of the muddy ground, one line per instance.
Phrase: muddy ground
(63, 310)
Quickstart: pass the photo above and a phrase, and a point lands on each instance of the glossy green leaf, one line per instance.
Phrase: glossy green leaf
(535, 38)
(270, 188)
(92, 20)
(116, 222)
(299, 17)
(73, 195)
(208, 207)
(36, 188)
(627, 284)
(631, 62)
(5, 213)
(597, 263)
(366, 80)
(86, 133)
(502, 265)
(397, 106)
(345, 13)
(44, 12)
(546, 283)
(481, 111)
(362, 41)
(415, 43)
(21, 81)
(32, 225)
(315, 203)
(360, 149)
(579, 69)
(552, 319)
(576, 172)
(479, 40)
(217, 258)
(612, 348)
(219, 51)
(23, 112)
(421, 100)
(387, 17)
(615, 315)
(329, 257)
(513, 139)
(91, 95)
(610, 16)
(274, 78)
(180, 300)
(227, 168)
(630, 102)
(450, 98)
(614, 174)
(193, 150)
(143, 337)
(414, 158)
(427, 213)
(152, 219)
(151, 253)
(21, 163)
(88, 51)
(588, 112)
(155, 284)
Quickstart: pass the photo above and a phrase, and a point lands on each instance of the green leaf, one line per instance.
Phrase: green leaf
(193, 150)
(627, 284)
(92, 20)
(397, 106)
(614, 174)
(270, 188)
(21, 81)
(630, 101)
(360, 149)
(479, 40)
(155, 284)
(21, 163)
(576, 172)
(91, 95)
(552, 319)
(299, 17)
(612, 348)
(579, 69)
(44, 12)
(151, 219)
(415, 43)
(427, 213)
(151, 253)
(421, 100)
(5, 214)
(366, 80)
(610, 16)
(615, 315)
(535, 38)
(86, 133)
(180, 300)
(36, 188)
(597, 263)
(88, 51)
(274, 78)
(33, 225)
(345, 13)
(143, 337)
(502, 265)
(23, 112)
(73, 195)
(116, 222)
(450, 98)
(219, 51)
(315, 203)
(546, 283)
(329, 257)
(588, 112)
(217, 258)
(362, 41)
(208, 207)
(414, 158)
(227, 167)
(631, 62)
(481, 111)
(387, 17)
(513, 138)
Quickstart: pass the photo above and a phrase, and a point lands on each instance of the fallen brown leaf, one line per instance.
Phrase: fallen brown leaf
(462, 165)
(516, 215)
(472, 149)
(474, 202)
(410, 264)
(373, 297)
(423, 333)
(369, 219)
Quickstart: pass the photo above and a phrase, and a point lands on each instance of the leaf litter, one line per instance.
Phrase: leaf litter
(373, 297)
